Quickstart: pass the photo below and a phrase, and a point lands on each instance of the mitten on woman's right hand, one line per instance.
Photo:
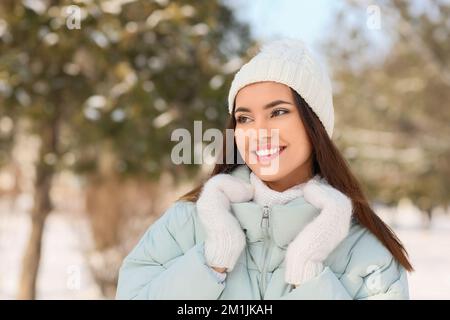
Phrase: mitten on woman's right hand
(225, 238)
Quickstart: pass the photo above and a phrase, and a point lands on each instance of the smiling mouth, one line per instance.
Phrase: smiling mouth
(264, 155)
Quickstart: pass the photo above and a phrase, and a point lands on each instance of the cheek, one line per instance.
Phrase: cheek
(301, 150)
(299, 141)
(241, 144)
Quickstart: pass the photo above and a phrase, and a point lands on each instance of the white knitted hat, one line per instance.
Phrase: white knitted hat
(289, 61)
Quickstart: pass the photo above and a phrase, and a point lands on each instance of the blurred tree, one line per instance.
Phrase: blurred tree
(104, 83)
(392, 87)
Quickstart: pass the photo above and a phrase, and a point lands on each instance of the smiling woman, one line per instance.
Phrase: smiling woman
(293, 146)
(302, 231)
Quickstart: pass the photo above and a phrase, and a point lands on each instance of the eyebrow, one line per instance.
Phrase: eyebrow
(267, 106)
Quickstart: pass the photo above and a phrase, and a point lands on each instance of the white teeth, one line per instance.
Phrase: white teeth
(267, 152)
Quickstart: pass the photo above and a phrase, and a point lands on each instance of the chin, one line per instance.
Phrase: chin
(264, 174)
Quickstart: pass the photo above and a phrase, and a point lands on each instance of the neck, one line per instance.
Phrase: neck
(298, 176)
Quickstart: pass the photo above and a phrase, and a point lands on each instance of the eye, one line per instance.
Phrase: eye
(278, 112)
(242, 119)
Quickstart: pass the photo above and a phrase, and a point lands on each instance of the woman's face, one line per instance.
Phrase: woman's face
(270, 135)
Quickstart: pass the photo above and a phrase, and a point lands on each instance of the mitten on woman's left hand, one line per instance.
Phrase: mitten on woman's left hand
(305, 254)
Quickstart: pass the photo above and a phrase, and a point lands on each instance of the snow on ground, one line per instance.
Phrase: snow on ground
(428, 248)
(64, 273)
(430, 254)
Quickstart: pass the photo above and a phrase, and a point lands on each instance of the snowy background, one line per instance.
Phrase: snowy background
(393, 124)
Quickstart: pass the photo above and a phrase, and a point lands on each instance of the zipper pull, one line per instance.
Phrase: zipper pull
(265, 217)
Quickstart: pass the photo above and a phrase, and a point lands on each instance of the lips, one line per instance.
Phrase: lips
(268, 153)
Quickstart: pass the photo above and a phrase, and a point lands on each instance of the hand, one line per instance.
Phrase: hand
(221, 270)
(305, 254)
(225, 238)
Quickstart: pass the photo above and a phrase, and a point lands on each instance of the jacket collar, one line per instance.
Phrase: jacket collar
(285, 220)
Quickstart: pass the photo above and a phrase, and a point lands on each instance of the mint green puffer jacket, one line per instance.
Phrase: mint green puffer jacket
(168, 262)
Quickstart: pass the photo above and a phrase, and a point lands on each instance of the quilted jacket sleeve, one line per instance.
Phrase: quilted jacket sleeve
(371, 273)
(326, 286)
(167, 263)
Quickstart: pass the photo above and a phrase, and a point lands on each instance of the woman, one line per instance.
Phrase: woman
(289, 223)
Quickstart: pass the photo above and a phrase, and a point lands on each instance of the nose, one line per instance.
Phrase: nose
(263, 127)
(264, 135)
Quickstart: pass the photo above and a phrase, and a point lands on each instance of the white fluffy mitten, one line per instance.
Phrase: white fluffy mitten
(305, 254)
(225, 238)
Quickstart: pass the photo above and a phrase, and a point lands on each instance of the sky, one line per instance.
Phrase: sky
(310, 21)
(270, 19)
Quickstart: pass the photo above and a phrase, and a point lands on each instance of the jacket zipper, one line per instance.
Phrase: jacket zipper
(265, 221)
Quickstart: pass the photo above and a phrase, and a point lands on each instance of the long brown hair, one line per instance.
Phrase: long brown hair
(329, 164)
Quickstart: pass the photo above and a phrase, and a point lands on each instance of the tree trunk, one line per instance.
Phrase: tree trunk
(30, 264)
(42, 205)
